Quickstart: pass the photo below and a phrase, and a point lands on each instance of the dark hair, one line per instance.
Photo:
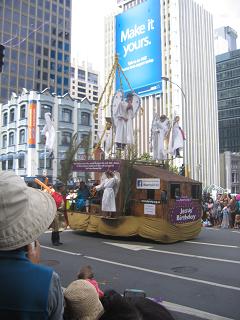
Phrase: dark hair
(85, 273)
(118, 308)
(122, 308)
(129, 95)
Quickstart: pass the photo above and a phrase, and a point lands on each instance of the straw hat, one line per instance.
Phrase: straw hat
(25, 213)
(82, 301)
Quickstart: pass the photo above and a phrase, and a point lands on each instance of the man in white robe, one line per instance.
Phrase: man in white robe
(124, 122)
(177, 138)
(109, 185)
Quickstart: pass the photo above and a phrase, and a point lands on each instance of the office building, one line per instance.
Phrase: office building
(84, 83)
(228, 90)
(22, 144)
(230, 171)
(225, 40)
(37, 36)
(189, 88)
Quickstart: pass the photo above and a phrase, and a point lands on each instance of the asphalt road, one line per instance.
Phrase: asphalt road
(198, 279)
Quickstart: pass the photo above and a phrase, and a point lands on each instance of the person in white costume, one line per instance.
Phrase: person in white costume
(160, 130)
(123, 112)
(49, 132)
(177, 138)
(110, 187)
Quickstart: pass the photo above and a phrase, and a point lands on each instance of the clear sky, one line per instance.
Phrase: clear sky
(88, 25)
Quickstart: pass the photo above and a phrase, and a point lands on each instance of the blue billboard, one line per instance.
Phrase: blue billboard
(138, 46)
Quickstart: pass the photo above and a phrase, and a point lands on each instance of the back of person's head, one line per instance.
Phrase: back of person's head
(117, 307)
(82, 301)
(150, 309)
(25, 213)
(85, 273)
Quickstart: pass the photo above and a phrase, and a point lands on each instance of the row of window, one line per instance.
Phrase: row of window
(229, 93)
(229, 113)
(9, 140)
(228, 84)
(9, 164)
(231, 64)
(229, 103)
(228, 74)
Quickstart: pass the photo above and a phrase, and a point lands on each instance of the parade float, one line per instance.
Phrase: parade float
(151, 201)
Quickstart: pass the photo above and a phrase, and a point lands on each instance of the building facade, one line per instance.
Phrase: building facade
(85, 83)
(22, 144)
(190, 90)
(228, 90)
(37, 40)
(230, 171)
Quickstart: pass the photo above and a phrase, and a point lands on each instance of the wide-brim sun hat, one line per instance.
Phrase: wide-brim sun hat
(82, 301)
(25, 213)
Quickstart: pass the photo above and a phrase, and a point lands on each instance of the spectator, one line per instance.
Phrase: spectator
(122, 308)
(86, 273)
(82, 301)
(28, 290)
(82, 200)
(225, 213)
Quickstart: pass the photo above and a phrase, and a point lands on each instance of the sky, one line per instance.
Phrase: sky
(88, 25)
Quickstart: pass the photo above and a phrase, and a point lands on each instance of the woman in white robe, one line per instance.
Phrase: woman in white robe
(109, 185)
(177, 138)
(160, 130)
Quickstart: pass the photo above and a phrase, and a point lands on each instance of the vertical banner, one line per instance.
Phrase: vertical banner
(32, 112)
(138, 45)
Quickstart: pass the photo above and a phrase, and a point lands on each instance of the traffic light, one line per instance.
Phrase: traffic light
(2, 49)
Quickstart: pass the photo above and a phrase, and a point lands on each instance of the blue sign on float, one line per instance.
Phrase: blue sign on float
(138, 45)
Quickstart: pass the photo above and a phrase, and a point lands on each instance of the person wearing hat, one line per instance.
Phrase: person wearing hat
(28, 290)
(82, 301)
(61, 208)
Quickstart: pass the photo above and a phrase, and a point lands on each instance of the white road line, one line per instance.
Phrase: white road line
(165, 274)
(193, 256)
(212, 244)
(193, 312)
(146, 248)
(62, 251)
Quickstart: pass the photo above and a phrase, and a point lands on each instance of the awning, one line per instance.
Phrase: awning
(20, 155)
(10, 156)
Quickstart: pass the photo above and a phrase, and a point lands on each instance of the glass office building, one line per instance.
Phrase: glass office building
(37, 37)
(228, 89)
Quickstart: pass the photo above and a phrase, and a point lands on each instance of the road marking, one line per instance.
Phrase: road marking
(145, 248)
(164, 273)
(193, 312)
(62, 251)
(212, 244)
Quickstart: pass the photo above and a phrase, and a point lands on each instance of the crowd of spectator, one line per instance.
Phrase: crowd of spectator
(33, 291)
(223, 212)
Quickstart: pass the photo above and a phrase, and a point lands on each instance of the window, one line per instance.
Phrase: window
(4, 141)
(11, 138)
(22, 136)
(92, 78)
(150, 194)
(48, 163)
(4, 165)
(21, 163)
(23, 111)
(66, 115)
(45, 109)
(5, 118)
(10, 163)
(12, 115)
(175, 191)
(85, 119)
(66, 138)
(196, 191)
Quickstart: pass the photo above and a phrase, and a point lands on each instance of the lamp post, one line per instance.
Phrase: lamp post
(167, 79)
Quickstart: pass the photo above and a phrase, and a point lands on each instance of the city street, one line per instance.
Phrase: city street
(197, 279)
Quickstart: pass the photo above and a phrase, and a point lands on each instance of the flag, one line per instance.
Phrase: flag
(49, 132)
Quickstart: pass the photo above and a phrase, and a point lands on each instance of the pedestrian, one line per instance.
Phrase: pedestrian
(61, 210)
(225, 214)
(28, 290)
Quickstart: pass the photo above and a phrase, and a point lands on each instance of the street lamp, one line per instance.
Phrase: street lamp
(167, 79)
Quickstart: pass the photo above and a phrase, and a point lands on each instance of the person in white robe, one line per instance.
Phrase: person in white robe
(160, 130)
(110, 186)
(124, 122)
(177, 138)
